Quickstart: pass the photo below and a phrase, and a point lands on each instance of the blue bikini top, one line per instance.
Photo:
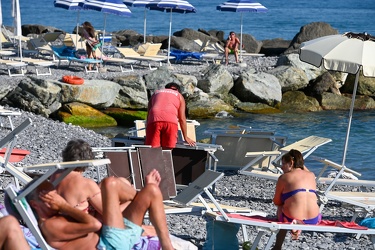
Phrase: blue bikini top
(286, 196)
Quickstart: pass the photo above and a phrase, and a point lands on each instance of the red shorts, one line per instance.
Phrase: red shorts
(162, 134)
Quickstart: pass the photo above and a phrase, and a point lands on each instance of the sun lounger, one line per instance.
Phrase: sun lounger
(118, 61)
(8, 114)
(236, 145)
(59, 53)
(14, 68)
(38, 64)
(9, 141)
(130, 53)
(18, 199)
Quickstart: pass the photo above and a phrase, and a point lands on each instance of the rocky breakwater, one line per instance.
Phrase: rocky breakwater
(267, 84)
(288, 86)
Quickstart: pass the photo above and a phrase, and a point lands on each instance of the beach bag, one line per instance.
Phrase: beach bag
(221, 235)
(368, 222)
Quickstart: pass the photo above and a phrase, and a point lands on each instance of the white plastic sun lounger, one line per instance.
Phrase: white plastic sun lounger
(8, 114)
(10, 141)
(18, 199)
(306, 146)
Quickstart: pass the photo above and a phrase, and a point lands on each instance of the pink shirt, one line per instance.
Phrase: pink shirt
(164, 106)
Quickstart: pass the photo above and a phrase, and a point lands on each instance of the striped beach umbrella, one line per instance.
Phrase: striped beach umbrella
(178, 6)
(115, 7)
(70, 5)
(241, 6)
(140, 3)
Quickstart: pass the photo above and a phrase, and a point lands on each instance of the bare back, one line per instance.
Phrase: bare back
(301, 205)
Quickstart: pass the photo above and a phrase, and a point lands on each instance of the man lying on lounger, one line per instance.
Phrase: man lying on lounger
(66, 227)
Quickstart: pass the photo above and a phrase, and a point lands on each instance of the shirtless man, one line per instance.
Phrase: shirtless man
(66, 227)
(231, 46)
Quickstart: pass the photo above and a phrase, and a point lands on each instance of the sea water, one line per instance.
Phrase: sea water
(329, 124)
(283, 20)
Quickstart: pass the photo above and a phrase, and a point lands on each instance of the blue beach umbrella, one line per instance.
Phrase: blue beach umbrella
(115, 7)
(178, 6)
(70, 5)
(241, 6)
(140, 3)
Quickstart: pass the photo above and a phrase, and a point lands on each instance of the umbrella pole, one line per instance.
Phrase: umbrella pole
(169, 39)
(241, 41)
(77, 28)
(350, 118)
(144, 26)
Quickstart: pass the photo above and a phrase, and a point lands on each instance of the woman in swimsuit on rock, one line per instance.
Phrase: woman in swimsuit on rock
(295, 195)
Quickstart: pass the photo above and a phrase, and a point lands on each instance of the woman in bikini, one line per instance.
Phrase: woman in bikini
(91, 42)
(295, 195)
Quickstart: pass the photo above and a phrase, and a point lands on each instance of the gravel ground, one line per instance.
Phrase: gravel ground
(46, 138)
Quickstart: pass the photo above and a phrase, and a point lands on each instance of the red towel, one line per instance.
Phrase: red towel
(346, 224)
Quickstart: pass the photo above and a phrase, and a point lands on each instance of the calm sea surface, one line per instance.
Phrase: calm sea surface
(283, 20)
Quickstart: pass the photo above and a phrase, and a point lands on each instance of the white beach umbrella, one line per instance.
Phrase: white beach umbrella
(140, 3)
(16, 14)
(350, 53)
(116, 7)
(178, 6)
(70, 5)
(241, 6)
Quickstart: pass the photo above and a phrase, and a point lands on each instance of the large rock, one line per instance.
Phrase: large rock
(274, 47)
(331, 101)
(45, 97)
(297, 101)
(290, 78)
(85, 116)
(256, 108)
(216, 79)
(323, 83)
(132, 93)
(38, 29)
(203, 105)
(309, 32)
(157, 79)
(311, 71)
(366, 85)
(258, 88)
(192, 35)
(251, 45)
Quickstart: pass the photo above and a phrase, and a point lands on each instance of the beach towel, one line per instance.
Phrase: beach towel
(368, 222)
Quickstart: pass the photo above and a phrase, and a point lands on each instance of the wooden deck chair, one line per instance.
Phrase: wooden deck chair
(9, 141)
(20, 203)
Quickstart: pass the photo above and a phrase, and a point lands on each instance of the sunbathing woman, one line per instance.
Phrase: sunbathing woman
(295, 195)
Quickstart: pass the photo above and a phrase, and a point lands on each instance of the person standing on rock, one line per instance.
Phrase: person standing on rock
(166, 109)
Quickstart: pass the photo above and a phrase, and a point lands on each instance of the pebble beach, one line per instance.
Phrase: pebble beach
(46, 138)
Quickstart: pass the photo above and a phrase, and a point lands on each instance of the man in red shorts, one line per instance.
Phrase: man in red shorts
(166, 109)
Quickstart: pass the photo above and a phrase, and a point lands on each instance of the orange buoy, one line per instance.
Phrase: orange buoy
(75, 80)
